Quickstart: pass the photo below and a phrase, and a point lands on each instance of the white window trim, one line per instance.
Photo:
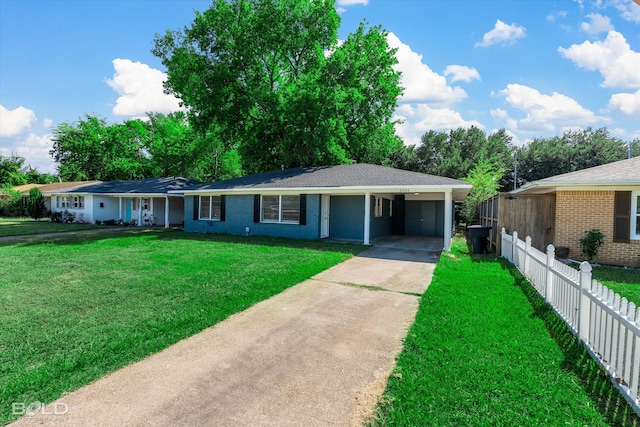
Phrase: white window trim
(208, 218)
(634, 216)
(280, 220)
(70, 202)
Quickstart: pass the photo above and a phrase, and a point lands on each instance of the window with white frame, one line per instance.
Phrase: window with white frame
(146, 203)
(77, 202)
(70, 202)
(378, 207)
(62, 202)
(210, 207)
(279, 208)
(635, 215)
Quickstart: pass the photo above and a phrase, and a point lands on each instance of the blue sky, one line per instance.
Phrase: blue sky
(533, 67)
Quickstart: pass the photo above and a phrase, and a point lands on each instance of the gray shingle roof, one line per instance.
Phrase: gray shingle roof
(139, 186)
(623, 170)
(354, 175)
(617, 174)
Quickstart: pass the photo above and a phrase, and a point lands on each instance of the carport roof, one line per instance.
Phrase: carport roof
(354, 176)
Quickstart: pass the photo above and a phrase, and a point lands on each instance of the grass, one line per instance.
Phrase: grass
(486, 350)
(624, 281)
(77, 308)
(28, 226)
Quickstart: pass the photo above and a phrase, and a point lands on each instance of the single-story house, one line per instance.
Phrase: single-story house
(356, 202)
(605, 197)
(45, 188)
(144, 202)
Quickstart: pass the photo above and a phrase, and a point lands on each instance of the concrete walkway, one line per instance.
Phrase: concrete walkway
(317, 354)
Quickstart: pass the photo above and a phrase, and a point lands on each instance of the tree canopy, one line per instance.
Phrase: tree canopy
(573, 150)
(165, 145)
(272, 78)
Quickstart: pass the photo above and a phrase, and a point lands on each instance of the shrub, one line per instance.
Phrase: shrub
(36, 206)
(591, 242)
(55, 217)
(68, 217)
(10, 202)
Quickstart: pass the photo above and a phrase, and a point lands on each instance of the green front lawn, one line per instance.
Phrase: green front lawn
(28, 226)
(75, 309)
(486, 350)
(624, 281)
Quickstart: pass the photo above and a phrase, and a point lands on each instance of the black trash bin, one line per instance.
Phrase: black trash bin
(478, 234)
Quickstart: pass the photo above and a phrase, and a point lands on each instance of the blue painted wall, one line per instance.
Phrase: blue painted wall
(239, 215)
(380, 226)
(346, 218)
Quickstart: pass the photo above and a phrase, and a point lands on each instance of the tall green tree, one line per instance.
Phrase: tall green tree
(457, 153)
(11, 170)
(93, 149)
(573, 150)
(270, 76)
(485, 179)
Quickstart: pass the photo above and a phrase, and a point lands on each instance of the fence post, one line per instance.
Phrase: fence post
(502, 233)
(551, 256)
(527, 249)
(514, 250)
(584, 303)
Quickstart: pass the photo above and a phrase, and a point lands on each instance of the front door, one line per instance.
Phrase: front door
(127, 209)
(324, 224)
(425, 218)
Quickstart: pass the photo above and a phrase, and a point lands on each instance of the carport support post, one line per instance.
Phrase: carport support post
(166, 212)
(448, 221)
(120, 208)
(367, 215)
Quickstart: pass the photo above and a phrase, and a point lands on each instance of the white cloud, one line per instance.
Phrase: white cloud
(613, 58)
(599, 24)
(141, 89)
(461, 73)
(502, 34)
(553, 17)
(14, 122)
(34, 148)
(420, 118)
(543, 112)
(629, 11)
(628, 103)
(421, 83)
(47, 123)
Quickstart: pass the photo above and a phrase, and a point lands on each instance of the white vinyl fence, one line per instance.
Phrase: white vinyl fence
(608, 325)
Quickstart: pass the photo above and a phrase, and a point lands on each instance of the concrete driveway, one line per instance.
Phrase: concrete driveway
(317, 354)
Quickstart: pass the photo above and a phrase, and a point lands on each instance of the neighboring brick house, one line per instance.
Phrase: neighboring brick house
(606, 198)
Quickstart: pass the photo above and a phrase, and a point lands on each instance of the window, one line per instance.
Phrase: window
(211, 207)
(378, 207)
(635, 215)
(146, 203)
(280, 209)
(62, 202)
(78, 202)
(70, 202)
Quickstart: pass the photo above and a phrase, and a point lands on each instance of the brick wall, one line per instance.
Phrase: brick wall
(580, 211)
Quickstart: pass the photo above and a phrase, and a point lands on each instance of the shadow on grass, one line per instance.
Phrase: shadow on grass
(594, 380)
(168, 235)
